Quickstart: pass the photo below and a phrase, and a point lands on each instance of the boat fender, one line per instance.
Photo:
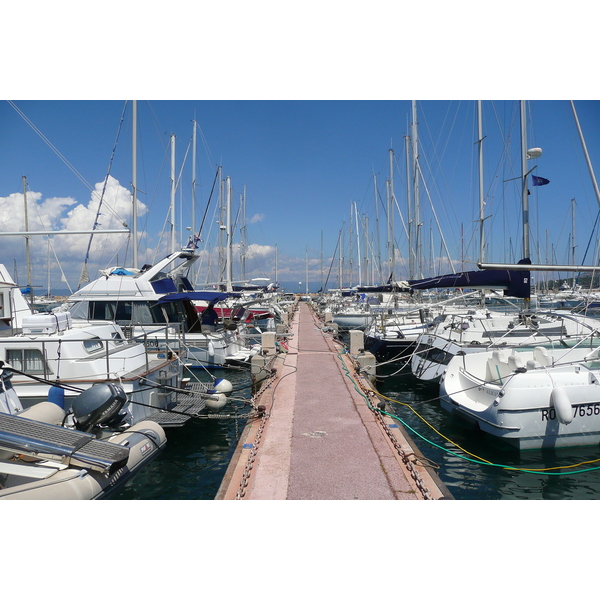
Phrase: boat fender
(221, 386)
(56, 395)
(560, 400)
(216, 401)
(211, 349)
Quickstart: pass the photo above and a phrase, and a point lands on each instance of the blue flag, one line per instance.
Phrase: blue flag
(539, 180)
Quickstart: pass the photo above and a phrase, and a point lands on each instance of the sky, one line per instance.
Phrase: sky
(308, 170)
(305, 131)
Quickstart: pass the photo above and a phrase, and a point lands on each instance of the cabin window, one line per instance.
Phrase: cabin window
(93, 345)
(141, 313)
(118, 338)
(28, 360)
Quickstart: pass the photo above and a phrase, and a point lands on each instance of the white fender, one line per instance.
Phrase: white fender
(560, 400)
(222, 386)
(216, 401)
(211, 349)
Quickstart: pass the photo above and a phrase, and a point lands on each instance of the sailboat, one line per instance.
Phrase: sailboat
(532, 398)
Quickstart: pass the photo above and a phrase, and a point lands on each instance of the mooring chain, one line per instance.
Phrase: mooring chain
(254, 449)
(406, 458)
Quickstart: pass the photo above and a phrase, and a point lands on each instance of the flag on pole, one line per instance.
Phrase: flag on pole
(539, 180)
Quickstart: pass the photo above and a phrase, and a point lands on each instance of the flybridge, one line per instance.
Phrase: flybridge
(149, 281)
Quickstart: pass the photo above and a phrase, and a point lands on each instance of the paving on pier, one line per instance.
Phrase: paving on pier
(319, 439)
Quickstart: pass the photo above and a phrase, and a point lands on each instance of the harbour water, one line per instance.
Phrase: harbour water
(197, 455)
(514, 475)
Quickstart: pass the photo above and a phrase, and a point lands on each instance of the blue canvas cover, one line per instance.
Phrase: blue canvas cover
(514, 283)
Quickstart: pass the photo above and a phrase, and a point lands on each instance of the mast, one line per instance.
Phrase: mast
(172, 193)
(306, 268)
(27, 250)
(417, 216)
(481, 196)
(377, 224)
(391, 215)
(134, 183)
(243, 240)
(194, 178)
(585, 151)
(322, 273)
(524, 191)
(358, 244)
(409, 212)
(228, 271)
(573, 246)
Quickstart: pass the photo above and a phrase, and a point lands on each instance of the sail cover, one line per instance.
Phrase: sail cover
(514, 283)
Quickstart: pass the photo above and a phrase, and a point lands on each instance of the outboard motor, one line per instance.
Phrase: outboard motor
(100, 405)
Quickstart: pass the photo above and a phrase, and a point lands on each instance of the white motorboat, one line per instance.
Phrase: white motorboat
(539, 398)
(156, 302)
(87, 454)
(479, 330)
(53, 356)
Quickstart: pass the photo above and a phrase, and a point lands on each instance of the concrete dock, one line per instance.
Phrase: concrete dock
(319, 438)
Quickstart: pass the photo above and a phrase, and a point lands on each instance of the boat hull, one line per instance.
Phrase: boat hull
(530, 407)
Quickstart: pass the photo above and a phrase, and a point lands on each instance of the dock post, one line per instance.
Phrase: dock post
(366, 361)
(357, 341)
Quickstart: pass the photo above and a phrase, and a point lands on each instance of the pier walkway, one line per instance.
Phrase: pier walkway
(319, 440)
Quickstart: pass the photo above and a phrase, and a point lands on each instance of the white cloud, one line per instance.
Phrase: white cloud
(258, 251)
(59, 214)
(257, 218)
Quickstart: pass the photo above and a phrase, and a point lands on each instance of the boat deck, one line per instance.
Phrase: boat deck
(319, 439)
(186, 406)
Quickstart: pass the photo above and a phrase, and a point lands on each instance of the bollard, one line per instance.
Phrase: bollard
(367, 366)
(357, 342)
(268, 342)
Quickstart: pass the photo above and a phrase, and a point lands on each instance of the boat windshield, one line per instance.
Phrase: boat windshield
(126, 312)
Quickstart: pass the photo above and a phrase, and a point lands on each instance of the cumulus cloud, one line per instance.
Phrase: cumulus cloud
(257, 218)
(258, 251)
(41, 215)
(59, 214)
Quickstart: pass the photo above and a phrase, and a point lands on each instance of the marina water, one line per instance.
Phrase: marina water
(513, 475)
(197, 455)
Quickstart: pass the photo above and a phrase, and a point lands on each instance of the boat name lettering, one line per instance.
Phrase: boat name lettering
(583, 410)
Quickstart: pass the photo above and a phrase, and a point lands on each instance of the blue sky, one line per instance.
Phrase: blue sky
(306, 166)
(304, 126)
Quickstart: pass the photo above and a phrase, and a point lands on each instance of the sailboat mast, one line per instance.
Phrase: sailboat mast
(524, 191)
(172, 193)
(417, 216)
(134, 183)
(306, 268)
(27, 250)
(481, 197)
(228, 281)
(585, 151)
(409, 211)
(392, 208)
(377, 224)
(358, 244)
(243, 240)
(194, 179)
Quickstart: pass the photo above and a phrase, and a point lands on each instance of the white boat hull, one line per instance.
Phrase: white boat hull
(528, 406)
